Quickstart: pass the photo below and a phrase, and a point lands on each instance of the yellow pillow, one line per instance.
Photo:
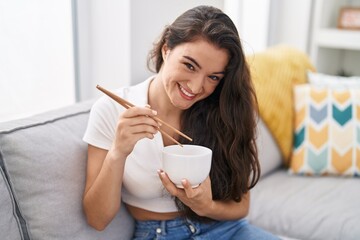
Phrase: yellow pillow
(274, 73)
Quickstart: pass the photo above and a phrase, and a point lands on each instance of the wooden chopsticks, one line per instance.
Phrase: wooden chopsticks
(127, 104)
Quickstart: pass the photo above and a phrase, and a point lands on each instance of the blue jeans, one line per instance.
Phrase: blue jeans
(180, 228)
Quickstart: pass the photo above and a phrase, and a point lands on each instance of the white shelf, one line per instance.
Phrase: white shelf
(334, 51)
(339, 39)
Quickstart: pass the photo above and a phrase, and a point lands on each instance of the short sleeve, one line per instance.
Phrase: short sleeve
(103, 118)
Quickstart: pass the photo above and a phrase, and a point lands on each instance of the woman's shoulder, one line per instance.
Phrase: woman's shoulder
(105, 103)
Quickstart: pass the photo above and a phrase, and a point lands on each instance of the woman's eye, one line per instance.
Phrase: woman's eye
(215, 78)
(189, 66)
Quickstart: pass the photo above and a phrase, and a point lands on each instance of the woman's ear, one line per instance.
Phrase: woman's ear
(164, 51)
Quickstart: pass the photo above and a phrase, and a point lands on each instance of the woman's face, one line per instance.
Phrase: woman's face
(191, 71)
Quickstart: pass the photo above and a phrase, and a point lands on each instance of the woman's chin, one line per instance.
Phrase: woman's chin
(182, 106)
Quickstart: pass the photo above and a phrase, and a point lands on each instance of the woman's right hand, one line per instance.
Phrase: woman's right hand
(134, 124)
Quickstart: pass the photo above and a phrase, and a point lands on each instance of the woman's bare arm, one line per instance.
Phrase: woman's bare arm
(105, 168)
(103, 187)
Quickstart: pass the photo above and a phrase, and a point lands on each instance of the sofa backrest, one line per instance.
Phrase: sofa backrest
(42, 178)
(268, 151)
(10, 227)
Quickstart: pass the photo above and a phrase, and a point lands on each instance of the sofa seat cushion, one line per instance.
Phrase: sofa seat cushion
(307, 207)
(45, 159)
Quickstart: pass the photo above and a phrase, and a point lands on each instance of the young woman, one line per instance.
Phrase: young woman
(202, 87)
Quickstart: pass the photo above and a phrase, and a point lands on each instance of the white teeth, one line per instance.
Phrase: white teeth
(186, 92)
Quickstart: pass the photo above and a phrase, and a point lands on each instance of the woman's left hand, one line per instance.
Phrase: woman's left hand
(199, 199)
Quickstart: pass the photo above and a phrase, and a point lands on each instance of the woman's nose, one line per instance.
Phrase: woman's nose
(196, 85)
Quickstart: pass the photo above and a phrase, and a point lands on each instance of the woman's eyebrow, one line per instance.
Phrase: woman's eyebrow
(198, 65)
(193, 60)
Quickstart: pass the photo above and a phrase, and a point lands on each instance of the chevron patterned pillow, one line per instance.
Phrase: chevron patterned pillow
(327, 131)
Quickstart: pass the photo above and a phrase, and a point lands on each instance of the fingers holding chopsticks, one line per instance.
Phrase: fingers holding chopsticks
(134, 123)
(126, 104)
(138, 120)
(143, 114)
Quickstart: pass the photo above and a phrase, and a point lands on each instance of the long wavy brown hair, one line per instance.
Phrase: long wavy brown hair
(226, 120)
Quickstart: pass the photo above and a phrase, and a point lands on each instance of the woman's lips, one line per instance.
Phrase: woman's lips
(185, 94)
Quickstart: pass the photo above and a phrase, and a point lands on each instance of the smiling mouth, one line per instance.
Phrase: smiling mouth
(186, 93)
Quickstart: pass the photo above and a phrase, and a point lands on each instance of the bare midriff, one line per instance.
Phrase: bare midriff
(144, 215)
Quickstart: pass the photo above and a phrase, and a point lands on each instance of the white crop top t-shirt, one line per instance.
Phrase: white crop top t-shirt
(141, 184)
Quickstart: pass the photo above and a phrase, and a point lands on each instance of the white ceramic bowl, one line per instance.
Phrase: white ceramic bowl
(191, 162)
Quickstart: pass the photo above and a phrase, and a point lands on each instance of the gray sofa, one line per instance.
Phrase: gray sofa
(43, 162)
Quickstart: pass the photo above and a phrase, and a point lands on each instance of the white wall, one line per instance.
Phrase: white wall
(104, 45)
(36, 57)
(290, 23)
(252, 21)
(264, 23)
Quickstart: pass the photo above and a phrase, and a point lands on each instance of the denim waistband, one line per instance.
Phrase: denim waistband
(162, 226)
(182, 228)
